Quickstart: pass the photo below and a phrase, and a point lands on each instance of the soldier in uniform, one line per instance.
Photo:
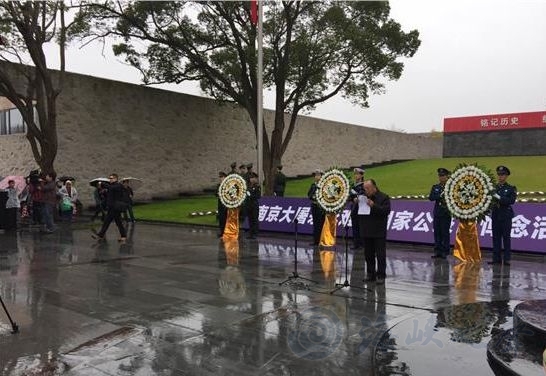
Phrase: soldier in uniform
(222, 210)
(280, 183)
(442, 216)
(252, 204)
(356, 190)
(316, 211)
(233, 167)
(501, 216)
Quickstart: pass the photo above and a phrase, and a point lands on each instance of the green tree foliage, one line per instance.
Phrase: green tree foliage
(25, 27)
(313, 51)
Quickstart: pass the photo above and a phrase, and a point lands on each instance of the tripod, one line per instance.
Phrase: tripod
(295, 274)
(14, 327)
(339, 286)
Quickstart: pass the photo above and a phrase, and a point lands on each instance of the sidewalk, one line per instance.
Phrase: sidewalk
(175, 300)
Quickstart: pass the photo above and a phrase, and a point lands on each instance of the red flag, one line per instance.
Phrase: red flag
(254, 12)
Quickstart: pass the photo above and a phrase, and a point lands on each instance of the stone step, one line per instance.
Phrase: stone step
(530, 322)
(518, 351)
(509, 356)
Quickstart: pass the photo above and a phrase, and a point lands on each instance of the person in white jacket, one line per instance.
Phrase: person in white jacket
(13, 204)
(69, 197)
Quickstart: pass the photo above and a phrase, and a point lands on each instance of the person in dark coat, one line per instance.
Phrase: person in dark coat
(501, 216)
(280, 183)
(374, 232)
(49, 202)
(222, 210)
(356, 190)
(252, 205)
(116, 201)
(441, 216)
(317, 212)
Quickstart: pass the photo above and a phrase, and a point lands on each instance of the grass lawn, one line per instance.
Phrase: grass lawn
(405, 178)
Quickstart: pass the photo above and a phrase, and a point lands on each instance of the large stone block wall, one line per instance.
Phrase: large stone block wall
(178, 143)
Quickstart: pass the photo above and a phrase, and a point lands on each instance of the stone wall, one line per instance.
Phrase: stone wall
(178, 143)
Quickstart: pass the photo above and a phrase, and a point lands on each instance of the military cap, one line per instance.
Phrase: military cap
(253, 175)
(318, 171)
(279, 167)
(443, 171)
(503, 170)
(242, 166)
(222, 174)
(233, 165)
(359, 170)
(249, 165)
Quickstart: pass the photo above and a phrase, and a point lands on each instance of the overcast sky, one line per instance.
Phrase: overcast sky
(476, 57)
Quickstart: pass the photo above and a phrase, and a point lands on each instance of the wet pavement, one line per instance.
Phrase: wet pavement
(175, 300)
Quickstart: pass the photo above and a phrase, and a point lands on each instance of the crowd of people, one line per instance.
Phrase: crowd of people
(45, 199)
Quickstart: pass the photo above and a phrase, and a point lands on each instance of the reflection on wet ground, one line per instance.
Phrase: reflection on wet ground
(176, 301)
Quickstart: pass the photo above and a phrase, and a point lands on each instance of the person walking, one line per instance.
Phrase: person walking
(374, 232)
(501, 217)
(116, 205)
(128, 215)
(317, 212)
(441, 221)
(356, 190)
(280, 183)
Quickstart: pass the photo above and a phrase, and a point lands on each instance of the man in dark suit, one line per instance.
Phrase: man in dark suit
(316, 211)
(116, 202)
(222, 210)
(441, 216)
(356, 190)
(253, 205)
(374, 232)
(501, 216)
(280, 183)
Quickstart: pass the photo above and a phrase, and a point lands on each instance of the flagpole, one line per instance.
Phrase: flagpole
(259, 87)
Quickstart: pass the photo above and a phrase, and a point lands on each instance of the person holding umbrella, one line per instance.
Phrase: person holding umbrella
(116, 205)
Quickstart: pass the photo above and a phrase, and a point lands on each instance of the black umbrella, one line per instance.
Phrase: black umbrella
(64, 178)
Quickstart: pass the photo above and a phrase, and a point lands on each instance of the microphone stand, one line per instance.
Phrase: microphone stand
(295, 274)
(14, 327)
(340, 286)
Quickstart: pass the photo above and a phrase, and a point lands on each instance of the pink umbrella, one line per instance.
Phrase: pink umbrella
(20, 182)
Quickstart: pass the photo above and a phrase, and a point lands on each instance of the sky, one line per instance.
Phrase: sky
(477, 57)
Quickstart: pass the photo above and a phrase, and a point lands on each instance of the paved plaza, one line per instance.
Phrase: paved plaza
(175, 300)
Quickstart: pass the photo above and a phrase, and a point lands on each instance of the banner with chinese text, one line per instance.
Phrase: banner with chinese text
(409, 221)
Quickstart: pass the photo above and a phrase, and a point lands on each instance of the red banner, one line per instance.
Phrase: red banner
(254, 12)
(500, 122)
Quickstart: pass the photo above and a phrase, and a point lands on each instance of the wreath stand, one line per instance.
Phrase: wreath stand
(340, 286)
(295, 275)
(14, 327)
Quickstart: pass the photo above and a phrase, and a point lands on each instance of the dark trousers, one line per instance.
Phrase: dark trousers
(318, 222)
(36, 212)
(113, 215)
(357, 241)
(441, 235)
(253, 212)
(128, 214)
(501, 228)
(376, 248)
(11, 219)
(222, 218)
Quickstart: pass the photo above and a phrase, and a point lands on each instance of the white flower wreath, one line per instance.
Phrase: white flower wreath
(333, 190)
(232, 191)
(468, 192)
